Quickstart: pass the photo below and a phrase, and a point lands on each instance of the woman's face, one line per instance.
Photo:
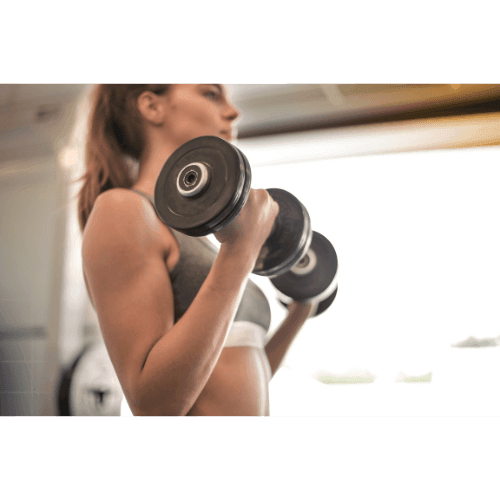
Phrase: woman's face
(194, 110)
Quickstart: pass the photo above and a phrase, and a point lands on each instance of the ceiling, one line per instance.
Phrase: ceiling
(35, 119)
(270, 109)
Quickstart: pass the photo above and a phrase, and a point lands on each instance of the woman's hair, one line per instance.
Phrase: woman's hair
(115, 130)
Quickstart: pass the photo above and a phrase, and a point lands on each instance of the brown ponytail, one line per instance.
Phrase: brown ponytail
(115, 130)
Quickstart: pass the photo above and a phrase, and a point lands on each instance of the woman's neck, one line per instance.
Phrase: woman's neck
(150, 166)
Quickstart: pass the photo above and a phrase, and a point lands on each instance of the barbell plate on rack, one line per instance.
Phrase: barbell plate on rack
(90, 387)
(320, 279)
(220, 177)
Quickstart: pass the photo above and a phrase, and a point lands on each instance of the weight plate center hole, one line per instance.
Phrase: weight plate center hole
(306, 264)
(190, 178)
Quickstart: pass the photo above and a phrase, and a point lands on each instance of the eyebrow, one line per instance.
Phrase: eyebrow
(218, 85)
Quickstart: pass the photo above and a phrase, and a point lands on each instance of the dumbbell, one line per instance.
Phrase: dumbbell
(204, 185)
(313, 278)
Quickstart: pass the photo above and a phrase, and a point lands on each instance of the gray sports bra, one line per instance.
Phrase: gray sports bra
(196, 258)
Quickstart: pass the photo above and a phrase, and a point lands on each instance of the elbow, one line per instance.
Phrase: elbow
(165, 394)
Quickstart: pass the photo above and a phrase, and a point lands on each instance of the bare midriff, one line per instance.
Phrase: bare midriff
(238, 385)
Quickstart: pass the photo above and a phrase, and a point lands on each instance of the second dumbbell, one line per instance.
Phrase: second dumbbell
(313, 278)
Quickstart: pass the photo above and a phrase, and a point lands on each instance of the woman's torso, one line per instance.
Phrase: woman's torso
(239, 382)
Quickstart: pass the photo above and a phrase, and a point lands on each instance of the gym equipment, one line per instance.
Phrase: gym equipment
(322, 306)
(89, 386)
(204, 185)
(313, 278)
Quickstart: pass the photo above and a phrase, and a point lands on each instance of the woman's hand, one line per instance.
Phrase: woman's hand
(302, 309)
(248, 232)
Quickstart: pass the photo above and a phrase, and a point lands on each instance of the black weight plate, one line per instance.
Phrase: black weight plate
(289, 239)
(239, 201)
(220, 201)
(322, 306)
(321, 275)
(326, 303)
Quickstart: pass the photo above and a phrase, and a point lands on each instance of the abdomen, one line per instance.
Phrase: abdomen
(238, 386)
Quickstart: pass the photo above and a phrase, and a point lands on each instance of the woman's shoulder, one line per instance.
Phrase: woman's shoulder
(123, 216)
(119, 206)
(121, 198)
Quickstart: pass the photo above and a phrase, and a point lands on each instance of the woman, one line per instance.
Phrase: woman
(183, 325)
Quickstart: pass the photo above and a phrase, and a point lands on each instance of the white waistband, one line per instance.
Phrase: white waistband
(246, 333)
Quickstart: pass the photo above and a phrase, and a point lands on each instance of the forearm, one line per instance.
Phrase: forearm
(281, 341)
(181, 362)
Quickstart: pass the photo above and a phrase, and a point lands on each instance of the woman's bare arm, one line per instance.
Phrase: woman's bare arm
(278, 345)
(162, 367)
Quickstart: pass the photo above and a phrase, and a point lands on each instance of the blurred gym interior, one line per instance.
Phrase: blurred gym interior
(400, 177)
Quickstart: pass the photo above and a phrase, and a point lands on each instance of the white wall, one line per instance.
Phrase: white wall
(32, 212)
(28, 211)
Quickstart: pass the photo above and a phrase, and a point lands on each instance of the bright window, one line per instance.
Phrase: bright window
(417, 238)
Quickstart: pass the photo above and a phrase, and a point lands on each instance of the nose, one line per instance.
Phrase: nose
(231, 112)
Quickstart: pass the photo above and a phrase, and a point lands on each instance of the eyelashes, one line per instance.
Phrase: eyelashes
(214, 96)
